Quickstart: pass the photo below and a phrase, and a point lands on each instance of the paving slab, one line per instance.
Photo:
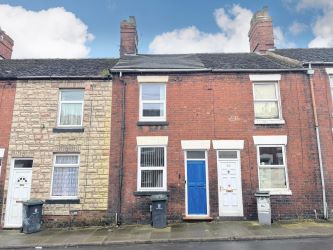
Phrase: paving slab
(180, 232)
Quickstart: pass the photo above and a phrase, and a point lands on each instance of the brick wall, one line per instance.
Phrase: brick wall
(6, 45)
(220, 106)
(325, 119)
(7, 96)
(35, 116)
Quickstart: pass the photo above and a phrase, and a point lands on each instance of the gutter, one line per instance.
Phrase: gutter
(259, 70)
(310, 73)
(207, 70)
(162, 70)
(56, 78)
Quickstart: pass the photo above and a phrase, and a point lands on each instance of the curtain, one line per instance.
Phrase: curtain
(272, 178)
(264, 91)
(67, 159)
(71, 114)
(65, 181)
(266, 110)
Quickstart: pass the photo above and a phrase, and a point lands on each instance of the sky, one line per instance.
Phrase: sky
(90, 28)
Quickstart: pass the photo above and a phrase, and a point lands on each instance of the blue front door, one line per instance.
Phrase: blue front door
(196, 188)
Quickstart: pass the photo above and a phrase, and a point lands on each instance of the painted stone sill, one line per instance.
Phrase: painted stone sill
(62, 201)
(151, 123)
(268, 121)
(279, 192)
(68, 130)
(149, 193)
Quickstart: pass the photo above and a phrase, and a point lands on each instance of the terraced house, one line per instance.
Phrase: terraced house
(59, 139)
(209, 130)
(95, 138)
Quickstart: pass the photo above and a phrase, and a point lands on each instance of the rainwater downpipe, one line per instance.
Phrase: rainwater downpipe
(122, 144)
(310, 73)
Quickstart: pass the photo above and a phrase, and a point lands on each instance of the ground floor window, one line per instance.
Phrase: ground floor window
(152, 168)
(272, 167)
(65, 176)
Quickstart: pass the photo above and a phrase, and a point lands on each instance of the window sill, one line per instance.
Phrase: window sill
(152, 123)
(279, 192)
(68, 130)
(268, 121)
(149, 193)
(62, 201)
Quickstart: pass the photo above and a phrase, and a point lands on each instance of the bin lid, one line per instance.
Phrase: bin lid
(159, 197)
(33, 202)
(262, 194)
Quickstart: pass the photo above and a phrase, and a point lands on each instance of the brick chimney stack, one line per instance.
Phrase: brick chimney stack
(6, 45)
(128, 37)
(261, 32)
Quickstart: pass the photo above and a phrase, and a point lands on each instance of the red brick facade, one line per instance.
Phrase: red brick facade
(7, 97)
(325, 120)
(214, 107)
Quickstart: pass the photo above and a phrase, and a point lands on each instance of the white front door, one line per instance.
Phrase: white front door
(18, 191)
(230, 183)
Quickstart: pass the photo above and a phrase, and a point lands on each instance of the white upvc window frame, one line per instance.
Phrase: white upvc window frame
(278, 120)
(274, 191)
(65, 165)
(164, 169)
(69, 102)
(141, 102)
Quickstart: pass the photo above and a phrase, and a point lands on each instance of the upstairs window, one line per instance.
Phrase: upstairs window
(70, 108)
(152, 102)
(152, 168)
(266, 101)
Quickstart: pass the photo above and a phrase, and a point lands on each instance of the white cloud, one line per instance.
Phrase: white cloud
(322, 28)
(297, 28)
(51, 33)
(234, 25)
(280, 40)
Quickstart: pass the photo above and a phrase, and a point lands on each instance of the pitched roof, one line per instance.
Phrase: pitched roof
(319, 55)
(248, 61)
(201, 62)
(165, 61)
(55, 68)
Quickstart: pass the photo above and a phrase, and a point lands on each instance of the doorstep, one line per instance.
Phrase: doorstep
(197, 218)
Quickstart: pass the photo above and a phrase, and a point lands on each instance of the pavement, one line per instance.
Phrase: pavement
(181, 232)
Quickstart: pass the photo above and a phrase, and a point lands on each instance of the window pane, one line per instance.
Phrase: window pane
(71, 114)
(266, 110)
(264, 91)
(153, 92)
(152, 157)
(72, 95)
(272, 178)
(228, 154)
(271, 156)
(331, 80)
(153, 109)
(65, 181)
(23, 164)
(67, 159)
(196, 154)
(151, 178)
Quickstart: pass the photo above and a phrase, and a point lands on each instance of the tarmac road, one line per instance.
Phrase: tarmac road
(294, 244)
